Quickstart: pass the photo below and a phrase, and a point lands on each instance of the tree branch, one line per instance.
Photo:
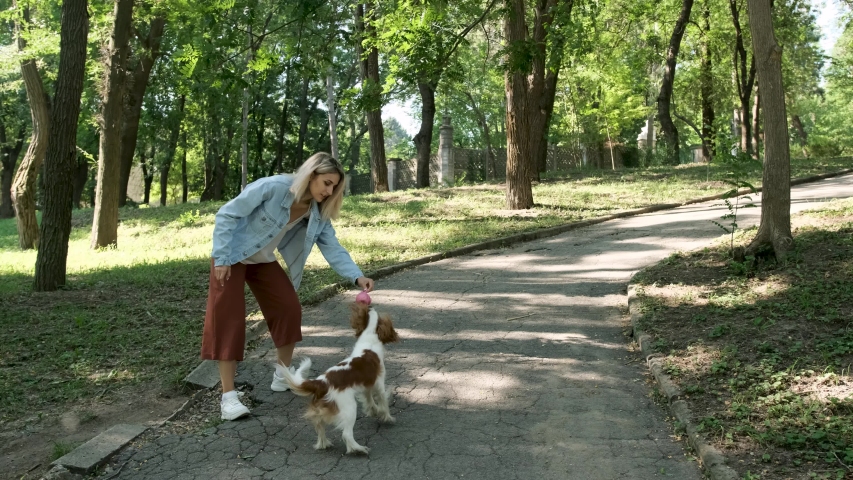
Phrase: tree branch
(461, 36)
(688, 122)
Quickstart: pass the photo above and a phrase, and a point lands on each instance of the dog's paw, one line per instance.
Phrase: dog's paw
(387, 418)
(322, 444)
(358, 449)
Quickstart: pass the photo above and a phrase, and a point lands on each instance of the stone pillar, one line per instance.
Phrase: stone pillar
(445, 153)
(393, 169)
(347, 188)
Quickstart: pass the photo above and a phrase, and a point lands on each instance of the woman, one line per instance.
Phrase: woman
(288, 213)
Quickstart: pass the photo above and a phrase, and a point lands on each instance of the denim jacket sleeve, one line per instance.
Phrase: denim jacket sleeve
(241, 206)
(337, 256)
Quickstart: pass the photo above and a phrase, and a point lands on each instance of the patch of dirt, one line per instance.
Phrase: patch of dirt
(28, 445)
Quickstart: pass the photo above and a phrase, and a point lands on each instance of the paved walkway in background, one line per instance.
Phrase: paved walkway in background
(513, 365)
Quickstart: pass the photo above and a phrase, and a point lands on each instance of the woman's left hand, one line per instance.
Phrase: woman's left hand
(365, 283)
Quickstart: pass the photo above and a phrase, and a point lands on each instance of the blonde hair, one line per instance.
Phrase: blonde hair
(319, 164)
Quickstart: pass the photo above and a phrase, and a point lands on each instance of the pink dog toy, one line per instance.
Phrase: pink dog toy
(363, 297)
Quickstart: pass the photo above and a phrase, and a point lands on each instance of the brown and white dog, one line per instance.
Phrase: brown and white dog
(361, 376)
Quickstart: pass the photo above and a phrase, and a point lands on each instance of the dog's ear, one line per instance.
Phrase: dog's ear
(360, 317)
(385, 330)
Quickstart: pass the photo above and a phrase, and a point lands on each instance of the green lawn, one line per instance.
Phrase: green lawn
(134, 313)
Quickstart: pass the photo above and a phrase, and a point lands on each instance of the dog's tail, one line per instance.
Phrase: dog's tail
(299, 384)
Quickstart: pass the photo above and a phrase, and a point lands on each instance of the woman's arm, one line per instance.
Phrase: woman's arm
(241, 206)
(337, 256)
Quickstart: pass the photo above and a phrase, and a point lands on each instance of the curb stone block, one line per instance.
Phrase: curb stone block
(87, 457)
(713, 462)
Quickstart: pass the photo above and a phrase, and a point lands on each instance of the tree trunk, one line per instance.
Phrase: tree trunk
(670, 133)
(423, 139)
(23, 191)
(9, 156)
(221, 161)
(170, 153)
(244, 147)
(61, 159)
(136, 87)
(756, 140)
(370, 82)
(552, 16)
(744, 80)
(801, 134)
(707, 79)
(354, 148)
(519, 192)
(147, 173)
(491, 172)
(330, 107)
(184, 180)
(282, 128)
(105, 222)
(81, 175)
(305, 114)
(775, 227)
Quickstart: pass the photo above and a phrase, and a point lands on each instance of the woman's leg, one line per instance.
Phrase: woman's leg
(280, 306)
(224, 334)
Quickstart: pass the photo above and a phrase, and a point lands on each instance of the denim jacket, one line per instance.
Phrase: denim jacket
(252, 219)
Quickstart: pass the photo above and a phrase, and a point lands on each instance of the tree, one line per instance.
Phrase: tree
(105, 222)
(775, 227)
(61, 160)
(24, 185)
(145, 55)
(668, 128)
(527, 96)
(10, 150)
(744, 79)
(366, 30)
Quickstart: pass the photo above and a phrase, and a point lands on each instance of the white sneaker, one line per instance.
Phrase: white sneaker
(232, 408)
(279, 384)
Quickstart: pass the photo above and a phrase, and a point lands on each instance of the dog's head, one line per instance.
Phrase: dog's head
(360, 318)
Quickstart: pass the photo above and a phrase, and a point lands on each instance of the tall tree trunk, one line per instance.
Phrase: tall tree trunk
(519, 192)
(170, 153)
(184, 180)
(330, 107)
(244, 147)
(61, 159)
(801, 134)
(305, 114)
(487, 138)
(137, 84)
(105, 223)
(147, 172)
(775, 227)
(670, 133)
(756, 131)
(370, 82)
(423, 139)
(354, 148)
(546, 70)
(221, 162)
(745, 79)
(707, 79)
(81, 175)
(527, 83)
(282, 127)
(9, 155)
(24, 185)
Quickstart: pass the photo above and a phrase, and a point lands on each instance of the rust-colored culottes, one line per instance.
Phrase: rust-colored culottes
(224, 336)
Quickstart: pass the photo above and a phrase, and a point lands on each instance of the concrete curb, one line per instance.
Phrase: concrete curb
(92, 454)
(713, 462)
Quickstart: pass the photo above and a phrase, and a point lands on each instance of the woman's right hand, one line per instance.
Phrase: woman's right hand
(222, 273)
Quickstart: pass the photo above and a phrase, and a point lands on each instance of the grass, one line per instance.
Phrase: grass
(133, 315)
(764, 352)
